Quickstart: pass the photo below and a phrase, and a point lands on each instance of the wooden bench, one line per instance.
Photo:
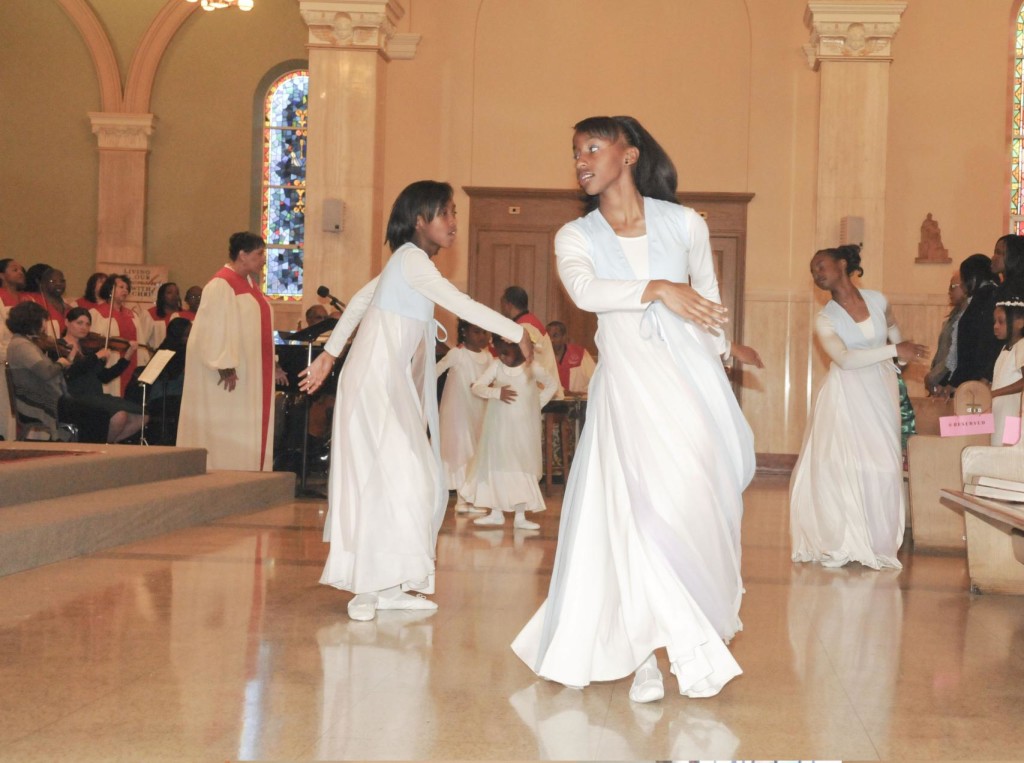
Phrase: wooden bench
(995, 542)
(934, 464)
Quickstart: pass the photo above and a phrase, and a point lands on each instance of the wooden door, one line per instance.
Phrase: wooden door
(526, 258)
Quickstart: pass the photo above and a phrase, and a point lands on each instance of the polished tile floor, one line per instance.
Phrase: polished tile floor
(218, 643)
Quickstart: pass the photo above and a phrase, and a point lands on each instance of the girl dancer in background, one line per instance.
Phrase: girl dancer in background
(462, 412)
(649, 543)
(846, 494)
(506, 469)
(387, 492)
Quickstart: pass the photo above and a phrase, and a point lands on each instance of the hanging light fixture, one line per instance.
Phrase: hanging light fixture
(212, 5)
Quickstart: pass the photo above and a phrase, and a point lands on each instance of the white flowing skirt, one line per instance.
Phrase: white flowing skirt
(846, 493)
(649, 543)
(384, 476)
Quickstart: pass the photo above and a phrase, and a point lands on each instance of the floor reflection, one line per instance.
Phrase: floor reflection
(572, 724)
(214, 602)
(376, 682)
(845, 626)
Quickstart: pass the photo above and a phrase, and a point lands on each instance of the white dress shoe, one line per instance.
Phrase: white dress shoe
(522, 523)
(648, 685)
(406, 601)
(363, 606)
(468, 508)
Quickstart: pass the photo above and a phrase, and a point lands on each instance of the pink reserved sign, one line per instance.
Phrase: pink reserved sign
(975, 423)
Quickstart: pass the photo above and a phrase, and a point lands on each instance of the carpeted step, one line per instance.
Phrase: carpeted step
(42, 532)
(35, 471)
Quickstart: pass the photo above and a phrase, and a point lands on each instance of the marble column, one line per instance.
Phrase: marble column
(124, 147)
(851, 47)
(350, 44)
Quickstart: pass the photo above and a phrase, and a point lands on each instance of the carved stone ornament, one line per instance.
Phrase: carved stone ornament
(930, 248)
(850, 31)
(365, 24)
(124, 132)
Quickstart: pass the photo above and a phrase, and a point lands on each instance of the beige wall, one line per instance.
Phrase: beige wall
(490, 99)
(49, 167)
(202, 148)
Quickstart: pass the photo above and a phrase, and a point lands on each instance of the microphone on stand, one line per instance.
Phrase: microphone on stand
(325, 293)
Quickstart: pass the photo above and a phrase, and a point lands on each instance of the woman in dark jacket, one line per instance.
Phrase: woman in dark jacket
(88, 373)
(976, 345)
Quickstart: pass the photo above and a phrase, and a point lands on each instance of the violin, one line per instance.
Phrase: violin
(93, 342)
(53, 348)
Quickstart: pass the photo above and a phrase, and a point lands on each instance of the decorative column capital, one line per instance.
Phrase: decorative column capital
(120, 131)
(358, 25)
(848, 30)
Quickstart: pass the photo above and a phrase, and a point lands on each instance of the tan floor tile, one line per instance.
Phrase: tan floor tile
(218, 642)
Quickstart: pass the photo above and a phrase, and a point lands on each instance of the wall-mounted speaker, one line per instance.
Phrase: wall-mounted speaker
(334, 215)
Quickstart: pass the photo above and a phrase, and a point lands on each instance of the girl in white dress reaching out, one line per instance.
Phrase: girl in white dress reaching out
(649, 542)
(506, 470)
(387, 494)
(462, 412)
(1007, 378)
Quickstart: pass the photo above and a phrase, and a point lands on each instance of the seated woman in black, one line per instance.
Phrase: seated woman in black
(87, 373)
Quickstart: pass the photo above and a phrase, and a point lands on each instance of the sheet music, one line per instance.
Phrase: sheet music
(156, 366)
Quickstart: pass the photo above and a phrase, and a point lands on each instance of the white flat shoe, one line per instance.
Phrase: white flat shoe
(834, 560)
(648, 685)
(490, 519)
(363, 607)
(468, 508)
(406, 601)
(525, 524)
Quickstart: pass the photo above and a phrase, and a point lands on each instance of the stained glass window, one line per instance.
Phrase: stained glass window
(1016, 202)
(283, 192)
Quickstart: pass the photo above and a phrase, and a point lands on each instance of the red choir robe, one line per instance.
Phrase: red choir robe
(232, 329)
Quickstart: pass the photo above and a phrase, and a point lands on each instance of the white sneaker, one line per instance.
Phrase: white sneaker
(522, 523)
(363, 606)
(648, 685)
(406, 601)
(494, 518)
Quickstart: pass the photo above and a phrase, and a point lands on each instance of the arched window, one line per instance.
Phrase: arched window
(282, 191)
(1017, 129)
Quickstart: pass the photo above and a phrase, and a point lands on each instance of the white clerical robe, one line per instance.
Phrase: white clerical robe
(233, 329)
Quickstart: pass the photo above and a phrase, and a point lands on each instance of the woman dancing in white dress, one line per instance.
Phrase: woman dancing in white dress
(846, 494)
(387, 493)
(649, 543)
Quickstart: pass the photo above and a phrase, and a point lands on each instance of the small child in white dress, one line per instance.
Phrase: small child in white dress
(461, 415)
(1007, 378)
(505, 473)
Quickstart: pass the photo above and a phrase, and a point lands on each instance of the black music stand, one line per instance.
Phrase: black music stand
(150, 374)
(308, 337)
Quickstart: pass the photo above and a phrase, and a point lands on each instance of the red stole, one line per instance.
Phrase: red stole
(83, 302)
(125, 320)
(166, 320)
(571, 358)
(57, 319)
(533, 320)
(12, 298)
(242, 285)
